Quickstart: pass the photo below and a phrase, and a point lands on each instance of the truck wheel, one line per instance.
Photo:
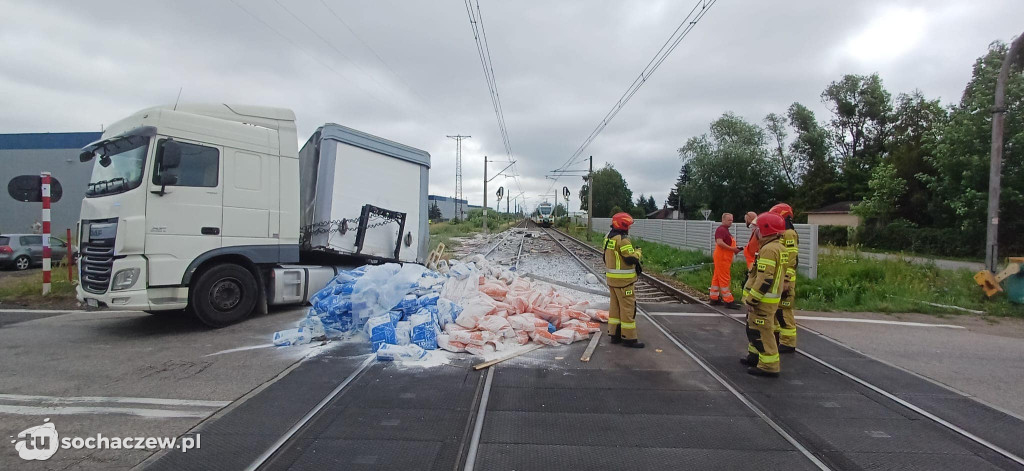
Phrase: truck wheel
(223, 295)
(22, 262)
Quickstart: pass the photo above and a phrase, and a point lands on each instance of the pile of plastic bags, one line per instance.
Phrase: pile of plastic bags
(475, 307)
(500, 310)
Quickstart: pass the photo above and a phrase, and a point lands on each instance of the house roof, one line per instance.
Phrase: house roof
(663, 213)
(842, 207)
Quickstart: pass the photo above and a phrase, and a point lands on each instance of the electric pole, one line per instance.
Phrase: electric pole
(590, 198)
(1013, 54)
(485, 194)
(458, 174)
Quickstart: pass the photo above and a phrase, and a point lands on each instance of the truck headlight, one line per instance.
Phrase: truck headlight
(124, 279)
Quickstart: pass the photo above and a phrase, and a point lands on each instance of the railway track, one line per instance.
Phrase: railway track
(586, 256)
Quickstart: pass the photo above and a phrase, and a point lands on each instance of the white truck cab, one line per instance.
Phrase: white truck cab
(198, 207)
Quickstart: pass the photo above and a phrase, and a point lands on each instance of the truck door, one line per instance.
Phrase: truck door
(184, 214)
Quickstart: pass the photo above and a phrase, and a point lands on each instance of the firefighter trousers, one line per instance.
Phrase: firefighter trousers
(761, 335)
(785, 320)
(622, 312)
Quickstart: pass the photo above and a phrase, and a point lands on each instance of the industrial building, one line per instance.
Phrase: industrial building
(32, 153)
(447, 206)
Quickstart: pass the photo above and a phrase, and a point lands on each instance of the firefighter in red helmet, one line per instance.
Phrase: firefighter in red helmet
(764, 291)
(622, 265)
(785, 326)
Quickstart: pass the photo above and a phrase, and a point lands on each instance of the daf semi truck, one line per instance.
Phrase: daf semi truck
(214, 210)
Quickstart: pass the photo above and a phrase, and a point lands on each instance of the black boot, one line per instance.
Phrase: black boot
(716, 302)
(786, 349)
(755, 371)
(617, 336)
(632, 343)
(733, 305)
(749, 360)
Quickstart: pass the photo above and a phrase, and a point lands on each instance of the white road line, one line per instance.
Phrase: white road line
(148, 413)
(240, 349)
(815, 318)
(114, 400)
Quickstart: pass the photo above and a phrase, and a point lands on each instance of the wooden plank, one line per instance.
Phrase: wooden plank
(590, 348)
(480, 366)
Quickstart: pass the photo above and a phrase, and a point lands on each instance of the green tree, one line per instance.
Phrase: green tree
(861, 121)
(434, 212)
(962, 155)
(916, 121)
(610, 191)
(731, 168)
(886, 189)
(819, 183)
(646, 205)
(673, 200)
(775, 126)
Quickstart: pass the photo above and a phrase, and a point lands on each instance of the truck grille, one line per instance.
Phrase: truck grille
(97, 264)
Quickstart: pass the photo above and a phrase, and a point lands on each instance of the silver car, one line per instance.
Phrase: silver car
(22, 251)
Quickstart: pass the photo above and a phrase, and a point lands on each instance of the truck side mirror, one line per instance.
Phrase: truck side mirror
(171, 155)
(86, 156)
(168, 179)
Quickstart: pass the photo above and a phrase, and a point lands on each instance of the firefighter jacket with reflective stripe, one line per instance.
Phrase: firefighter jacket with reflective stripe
(620, 260)
(791, 242)
(765, 288)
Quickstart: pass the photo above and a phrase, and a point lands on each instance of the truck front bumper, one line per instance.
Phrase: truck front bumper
(162, 298)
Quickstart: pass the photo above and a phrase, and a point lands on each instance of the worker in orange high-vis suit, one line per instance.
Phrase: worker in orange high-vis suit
(622, 265)
(762, 300)
(725, 250)
(750, 250)
(785, 316)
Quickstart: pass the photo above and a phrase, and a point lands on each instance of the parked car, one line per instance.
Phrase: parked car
(22, 251)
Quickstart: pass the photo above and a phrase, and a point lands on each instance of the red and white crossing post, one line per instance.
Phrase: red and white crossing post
(46, 231)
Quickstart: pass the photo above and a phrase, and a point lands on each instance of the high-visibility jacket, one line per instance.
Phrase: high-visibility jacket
(750, 250)
(764, 289)
(791, 242)
(620, 260)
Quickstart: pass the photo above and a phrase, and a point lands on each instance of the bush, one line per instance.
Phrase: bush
(905, 236)
(834, 235)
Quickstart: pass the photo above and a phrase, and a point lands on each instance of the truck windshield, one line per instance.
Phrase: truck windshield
(118, 167)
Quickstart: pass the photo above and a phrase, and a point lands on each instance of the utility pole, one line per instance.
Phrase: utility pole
(485, 194)
(590, 198)
(458, 174)
(1015, 53)
(508, 201)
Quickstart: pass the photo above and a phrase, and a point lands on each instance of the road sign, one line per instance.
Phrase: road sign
(706, 213)
(29, 189)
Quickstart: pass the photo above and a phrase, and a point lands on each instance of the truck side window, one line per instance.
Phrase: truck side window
(199, 165)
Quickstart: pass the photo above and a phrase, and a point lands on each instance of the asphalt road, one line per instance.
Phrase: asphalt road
(126, 374)
(983, 359)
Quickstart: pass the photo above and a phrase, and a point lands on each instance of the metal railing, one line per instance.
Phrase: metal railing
(700, 235)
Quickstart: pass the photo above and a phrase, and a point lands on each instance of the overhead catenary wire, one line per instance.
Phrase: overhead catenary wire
(476, 23)
(700, 8)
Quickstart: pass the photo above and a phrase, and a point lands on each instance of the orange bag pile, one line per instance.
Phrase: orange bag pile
(498, 315)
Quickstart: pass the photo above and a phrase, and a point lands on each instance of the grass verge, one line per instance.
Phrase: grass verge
(846, 282)
(25, 289)
(448, 232)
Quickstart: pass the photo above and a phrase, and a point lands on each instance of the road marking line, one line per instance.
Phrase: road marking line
(148, 413)
(815, 318)
(40, 311)
(240, 349)
(116, 400)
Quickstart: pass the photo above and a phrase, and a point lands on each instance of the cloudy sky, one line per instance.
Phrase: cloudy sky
(409, 71)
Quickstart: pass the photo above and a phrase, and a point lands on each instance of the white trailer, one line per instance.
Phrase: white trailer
(204, 208)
